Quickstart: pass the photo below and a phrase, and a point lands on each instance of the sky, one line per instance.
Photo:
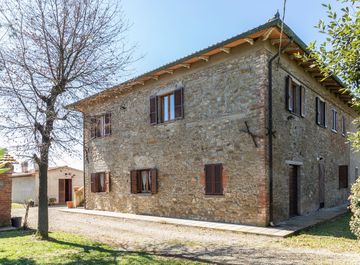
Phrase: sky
(165, 30)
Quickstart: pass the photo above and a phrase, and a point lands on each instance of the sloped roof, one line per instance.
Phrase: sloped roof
(269, 31)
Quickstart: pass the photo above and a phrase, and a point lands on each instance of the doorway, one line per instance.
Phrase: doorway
(65, 190)
(321, 184)
(293, 190)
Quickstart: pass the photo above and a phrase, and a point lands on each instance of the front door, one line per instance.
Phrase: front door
(293, 191)
(321, 185)
(65, 190)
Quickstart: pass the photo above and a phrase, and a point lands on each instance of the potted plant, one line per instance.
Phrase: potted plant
(70, 204)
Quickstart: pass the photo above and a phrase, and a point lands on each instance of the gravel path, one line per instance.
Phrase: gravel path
(196, 243)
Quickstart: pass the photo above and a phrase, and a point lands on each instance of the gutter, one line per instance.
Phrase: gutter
(270, 131)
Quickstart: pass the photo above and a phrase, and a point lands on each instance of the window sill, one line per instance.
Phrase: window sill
(321, 126)
(167, 122)
(344, 135)
(143, 194)
(214, 195)
(296, 114)
(101, 137)
(334, 131)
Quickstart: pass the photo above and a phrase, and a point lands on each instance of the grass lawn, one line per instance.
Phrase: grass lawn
(17, 206)
(22, 247)
(334, 235)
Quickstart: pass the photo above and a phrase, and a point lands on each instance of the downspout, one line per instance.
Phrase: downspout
(84, 175)
(270, 132)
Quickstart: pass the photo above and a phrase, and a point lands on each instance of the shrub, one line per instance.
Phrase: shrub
(52, 201)
(355, 208)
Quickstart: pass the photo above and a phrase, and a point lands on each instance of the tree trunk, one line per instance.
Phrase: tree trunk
(43, 224)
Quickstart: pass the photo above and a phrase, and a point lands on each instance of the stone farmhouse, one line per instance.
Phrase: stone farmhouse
(229, 133)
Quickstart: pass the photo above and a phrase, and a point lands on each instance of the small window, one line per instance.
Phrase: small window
(295, 97)
(343, 177)
(168, 107)
(100, 182)
(343, 126)
(144, 181)
(213, 179)
(334, 120)
(320, 112)
(101, 125)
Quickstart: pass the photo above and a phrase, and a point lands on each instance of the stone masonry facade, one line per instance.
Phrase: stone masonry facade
(5, 199)
(221, 97)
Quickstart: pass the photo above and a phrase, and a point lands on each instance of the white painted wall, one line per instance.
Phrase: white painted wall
(23, 189)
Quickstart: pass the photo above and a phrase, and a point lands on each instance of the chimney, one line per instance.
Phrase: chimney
(24, 167)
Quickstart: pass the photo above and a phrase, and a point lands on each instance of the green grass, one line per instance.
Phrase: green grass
(17, 206)
(23, 247)
(334, 235)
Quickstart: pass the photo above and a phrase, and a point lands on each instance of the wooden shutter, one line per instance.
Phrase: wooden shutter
(153, 110)
(94, 182)
(343, 176)
(218, 187)
(317, 110)
(153, 176)
(209, 179)
(343, 125)
(134, 181)
(107, 182)
(289, 94)
(179, 103)
(302, 101)
(107, 124)
(61, 191)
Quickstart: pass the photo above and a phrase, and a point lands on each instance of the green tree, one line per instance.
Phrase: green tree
(3, 168)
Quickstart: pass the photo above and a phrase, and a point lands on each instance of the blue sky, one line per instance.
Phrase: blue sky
(165, 30)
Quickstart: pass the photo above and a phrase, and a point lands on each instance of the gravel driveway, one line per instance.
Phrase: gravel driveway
(195, 243)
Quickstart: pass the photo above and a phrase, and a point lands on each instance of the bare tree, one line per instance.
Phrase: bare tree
(56, 52)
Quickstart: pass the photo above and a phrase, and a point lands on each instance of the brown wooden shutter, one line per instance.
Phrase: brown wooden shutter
(153, 110)
(153, 176)
(179, 103)
(317, 110)
(343, 176)
(302, 101)
(218, 181)
(61, 191)
(289, 94)
(107, 124)
(209, 179)
(93, 182)
(134, 181)
(107, 182)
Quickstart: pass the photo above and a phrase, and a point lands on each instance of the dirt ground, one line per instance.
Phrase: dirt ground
(198, 244)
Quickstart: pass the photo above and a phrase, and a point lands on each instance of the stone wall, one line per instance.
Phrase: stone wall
(301, 140)
(5, 199)
(220, 95)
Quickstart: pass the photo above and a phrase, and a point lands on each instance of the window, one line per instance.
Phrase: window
(320, 112)
(101, 125)
(343, 126)
(295, 97)
(144, 181)
(167, 107)
(213, 179)
(100, 182)
(334, 120)
(343, 177)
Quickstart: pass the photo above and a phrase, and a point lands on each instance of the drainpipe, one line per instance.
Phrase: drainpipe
(270, 132)
(84, 160)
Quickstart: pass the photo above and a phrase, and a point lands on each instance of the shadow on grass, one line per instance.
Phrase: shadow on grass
(20, 261)
(338, 227)
(17, 233)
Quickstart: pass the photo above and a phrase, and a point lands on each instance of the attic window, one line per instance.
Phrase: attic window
(101, 125)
